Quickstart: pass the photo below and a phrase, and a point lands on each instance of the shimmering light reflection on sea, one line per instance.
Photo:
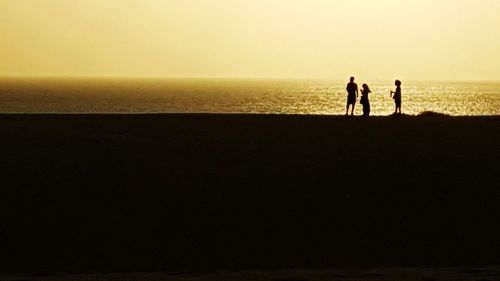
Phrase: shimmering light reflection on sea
(238, 96)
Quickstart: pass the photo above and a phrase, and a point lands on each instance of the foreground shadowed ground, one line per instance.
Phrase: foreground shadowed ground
(369, 274)
(195, 193)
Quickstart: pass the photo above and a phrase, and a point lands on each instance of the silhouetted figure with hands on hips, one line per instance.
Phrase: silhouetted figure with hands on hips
(396, 95)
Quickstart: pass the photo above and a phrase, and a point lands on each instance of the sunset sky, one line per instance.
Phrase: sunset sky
(376, 39)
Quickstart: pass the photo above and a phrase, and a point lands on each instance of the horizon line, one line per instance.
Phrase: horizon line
(173, 77)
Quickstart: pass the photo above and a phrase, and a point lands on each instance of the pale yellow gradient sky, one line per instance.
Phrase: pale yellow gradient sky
(373, 39)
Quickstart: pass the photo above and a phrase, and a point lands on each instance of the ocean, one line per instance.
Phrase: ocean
(320, 97)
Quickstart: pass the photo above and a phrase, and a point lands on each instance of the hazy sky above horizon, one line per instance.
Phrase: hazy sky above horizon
(372, 39)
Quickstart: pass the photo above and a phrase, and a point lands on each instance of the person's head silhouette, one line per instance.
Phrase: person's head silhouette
(352, 79)
(366, 89)
(398, 83)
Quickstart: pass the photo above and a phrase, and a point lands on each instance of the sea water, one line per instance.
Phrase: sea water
(323, 97)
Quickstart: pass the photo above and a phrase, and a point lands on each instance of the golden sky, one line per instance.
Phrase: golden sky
(375, 39)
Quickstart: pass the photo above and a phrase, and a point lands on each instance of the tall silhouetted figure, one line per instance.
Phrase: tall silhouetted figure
(352, 94)
(397, 97)
(365, 101)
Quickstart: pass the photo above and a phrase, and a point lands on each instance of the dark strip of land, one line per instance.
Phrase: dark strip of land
(194, 193)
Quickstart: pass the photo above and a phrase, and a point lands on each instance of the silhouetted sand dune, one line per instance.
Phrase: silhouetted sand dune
(198, 193)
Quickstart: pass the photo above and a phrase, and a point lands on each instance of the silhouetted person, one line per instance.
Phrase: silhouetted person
(352, 94)
(365, 101)
(397, 97)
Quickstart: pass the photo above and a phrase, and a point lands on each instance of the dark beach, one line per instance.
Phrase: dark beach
(207, 193)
